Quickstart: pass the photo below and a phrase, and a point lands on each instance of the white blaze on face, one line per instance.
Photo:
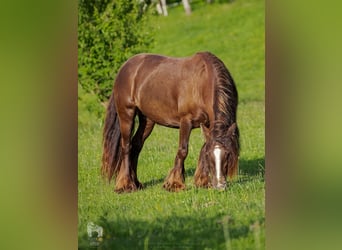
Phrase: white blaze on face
(217, 154)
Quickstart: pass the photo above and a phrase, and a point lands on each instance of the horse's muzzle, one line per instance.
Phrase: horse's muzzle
(221, 186)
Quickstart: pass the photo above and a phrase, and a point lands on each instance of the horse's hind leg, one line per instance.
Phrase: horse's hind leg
(124, 181)
(144, 130)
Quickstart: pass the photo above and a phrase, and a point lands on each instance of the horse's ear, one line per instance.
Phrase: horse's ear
(232, 129)
(205, 131)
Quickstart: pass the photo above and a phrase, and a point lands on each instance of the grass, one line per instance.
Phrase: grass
(196, 218)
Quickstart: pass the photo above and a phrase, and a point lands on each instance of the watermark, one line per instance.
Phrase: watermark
(95, 234)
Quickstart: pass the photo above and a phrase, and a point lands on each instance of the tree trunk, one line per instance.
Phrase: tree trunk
(162, 7)
(187, 7)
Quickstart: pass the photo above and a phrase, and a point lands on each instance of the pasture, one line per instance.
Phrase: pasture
(195, 218)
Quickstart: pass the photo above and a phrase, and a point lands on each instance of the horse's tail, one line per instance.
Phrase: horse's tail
(111, 159)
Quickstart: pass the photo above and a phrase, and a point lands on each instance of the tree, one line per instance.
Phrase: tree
(109, 32)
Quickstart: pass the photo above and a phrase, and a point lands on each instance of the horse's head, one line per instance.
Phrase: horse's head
(220, 154)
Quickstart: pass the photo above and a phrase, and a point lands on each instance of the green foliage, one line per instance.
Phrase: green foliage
(89, 108)
(109, 32)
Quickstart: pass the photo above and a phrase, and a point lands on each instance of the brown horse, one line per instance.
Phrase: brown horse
(182, 93)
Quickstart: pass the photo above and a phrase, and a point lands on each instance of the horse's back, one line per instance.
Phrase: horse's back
(129, 71)
(166, 88)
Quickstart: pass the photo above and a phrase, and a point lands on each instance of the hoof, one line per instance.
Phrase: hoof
(126, 186)
(203, 185)
(139, 185)
(175, 181)
(174, 186)
(126, 189)
(202, 182)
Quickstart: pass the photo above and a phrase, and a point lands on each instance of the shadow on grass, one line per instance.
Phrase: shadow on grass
(188, 172)
(255, 167)
(167, 233)
(247, 169)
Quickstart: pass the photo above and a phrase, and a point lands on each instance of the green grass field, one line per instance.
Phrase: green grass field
(195, 218)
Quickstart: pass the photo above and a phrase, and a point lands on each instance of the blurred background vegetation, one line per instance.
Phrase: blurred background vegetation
(109, 32)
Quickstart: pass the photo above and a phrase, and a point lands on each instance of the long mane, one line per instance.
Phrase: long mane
(225, 94)
(224, 128)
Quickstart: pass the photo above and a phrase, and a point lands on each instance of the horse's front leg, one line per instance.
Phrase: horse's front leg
(202, 178)
(175, 180)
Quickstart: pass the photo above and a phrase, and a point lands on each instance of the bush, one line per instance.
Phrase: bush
(109, 32)
(89, 108)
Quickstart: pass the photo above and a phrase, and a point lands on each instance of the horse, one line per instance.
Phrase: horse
(184, 93)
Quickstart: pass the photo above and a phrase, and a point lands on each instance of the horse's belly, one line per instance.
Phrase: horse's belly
(169, 113)
(161, 112)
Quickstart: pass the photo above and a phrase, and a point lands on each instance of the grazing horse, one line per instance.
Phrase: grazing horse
(184, 93)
